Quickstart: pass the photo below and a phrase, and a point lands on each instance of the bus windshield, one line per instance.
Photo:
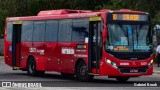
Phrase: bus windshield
(128, 38)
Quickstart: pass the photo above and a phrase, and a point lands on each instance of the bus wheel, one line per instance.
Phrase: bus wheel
(122, 79)
(67, 75)
(31, 68)
(82, 72)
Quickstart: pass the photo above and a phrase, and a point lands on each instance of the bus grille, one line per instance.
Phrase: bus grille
(133, 70)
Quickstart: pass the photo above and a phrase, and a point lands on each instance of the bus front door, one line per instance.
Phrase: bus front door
(95, 44)
(16, 41)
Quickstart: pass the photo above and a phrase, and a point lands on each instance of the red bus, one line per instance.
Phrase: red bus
(84, 43)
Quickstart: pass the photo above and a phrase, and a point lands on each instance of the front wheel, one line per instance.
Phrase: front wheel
(82, 72)
(122, 79)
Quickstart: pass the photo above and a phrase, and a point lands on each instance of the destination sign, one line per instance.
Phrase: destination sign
(130, 17)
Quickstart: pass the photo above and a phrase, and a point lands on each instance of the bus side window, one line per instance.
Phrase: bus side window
(65, 30)
(51, 31)
(39, 31)
(80, 30)
(27, 31)
(9, 31)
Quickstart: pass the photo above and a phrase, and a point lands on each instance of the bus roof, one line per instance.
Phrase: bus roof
(67, 13)
(57, 14)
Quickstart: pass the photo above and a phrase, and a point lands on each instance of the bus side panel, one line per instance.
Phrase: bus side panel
(41, 63)
(65, 56)
(39, 50)
(51, 55)
(25, 52)
(69, 54)
(8, 44)
(81, 54)
(8, 53)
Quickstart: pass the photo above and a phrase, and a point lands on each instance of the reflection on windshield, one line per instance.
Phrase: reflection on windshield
(128, 38)
(118, 35)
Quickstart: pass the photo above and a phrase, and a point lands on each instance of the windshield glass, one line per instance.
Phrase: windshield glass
(128, 38)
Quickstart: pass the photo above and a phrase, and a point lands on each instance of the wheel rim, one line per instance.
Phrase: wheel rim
(83, 71)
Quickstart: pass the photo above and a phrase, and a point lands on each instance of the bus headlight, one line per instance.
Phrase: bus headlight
(113, 64)
(108, 61)
(150, 63)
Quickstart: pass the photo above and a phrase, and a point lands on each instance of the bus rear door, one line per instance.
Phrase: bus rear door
(16, 41)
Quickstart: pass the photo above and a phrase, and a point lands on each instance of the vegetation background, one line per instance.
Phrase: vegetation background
(13, 8)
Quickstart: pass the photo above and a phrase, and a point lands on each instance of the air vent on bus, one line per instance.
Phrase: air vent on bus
(61, 11)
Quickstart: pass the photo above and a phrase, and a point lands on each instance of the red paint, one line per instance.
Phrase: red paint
(54, 60)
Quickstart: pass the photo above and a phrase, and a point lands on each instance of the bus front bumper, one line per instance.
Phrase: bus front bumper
(108, 70)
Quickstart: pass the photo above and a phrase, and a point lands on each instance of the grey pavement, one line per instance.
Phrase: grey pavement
(57, 82)
(156, 69)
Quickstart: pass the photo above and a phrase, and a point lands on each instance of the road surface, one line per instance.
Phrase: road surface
(55, 80)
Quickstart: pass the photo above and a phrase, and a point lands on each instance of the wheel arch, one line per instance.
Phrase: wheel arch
(30, 56)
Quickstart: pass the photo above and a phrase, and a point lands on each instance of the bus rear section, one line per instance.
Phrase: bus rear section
(12, 44)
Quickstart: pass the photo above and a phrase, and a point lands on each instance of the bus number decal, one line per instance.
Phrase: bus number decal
(35, 50)
(67, 50)
(32, 49)
(115, 16)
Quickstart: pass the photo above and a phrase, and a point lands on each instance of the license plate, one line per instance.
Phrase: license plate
(133, 70)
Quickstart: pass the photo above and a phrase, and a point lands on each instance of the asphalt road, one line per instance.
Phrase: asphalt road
(56, 81)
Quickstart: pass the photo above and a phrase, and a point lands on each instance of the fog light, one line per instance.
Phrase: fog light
(114, 65)
(149, 64)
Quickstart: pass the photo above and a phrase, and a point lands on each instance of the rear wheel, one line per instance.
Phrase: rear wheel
(31, 68)
(82, 72)
(122, 79)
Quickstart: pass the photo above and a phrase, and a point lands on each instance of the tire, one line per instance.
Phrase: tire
(82, 72)
(31, 68)
(122, 79)
(67, 75)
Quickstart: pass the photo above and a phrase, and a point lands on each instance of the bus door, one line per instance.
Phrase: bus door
(95, 44)
(16, 41)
